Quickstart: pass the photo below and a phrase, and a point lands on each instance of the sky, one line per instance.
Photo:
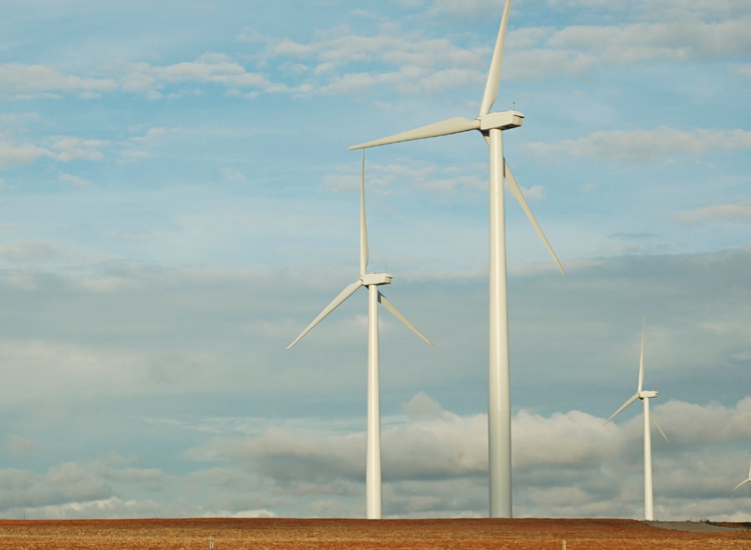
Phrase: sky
(177, 202)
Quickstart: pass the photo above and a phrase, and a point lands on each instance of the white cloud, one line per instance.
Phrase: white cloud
(740, 212)
(566, 464)
(536, 192)
(75, 180)
(214, 68)
(541, 52)
(645, 145)
(16, 78)
(72, 148)
(384, 178)
(151, 134)
(233, 175)
(412, 64)
(11, 155)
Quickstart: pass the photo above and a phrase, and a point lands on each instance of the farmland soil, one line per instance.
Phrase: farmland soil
(335, 534)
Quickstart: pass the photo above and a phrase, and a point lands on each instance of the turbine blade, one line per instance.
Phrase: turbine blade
(363, 222)
(517, 191)
(335, 303)
(494, 75)
(641, 357)
(654, 419)
(395, 312)
(626, 404)
(444, 128)
(742, 483)
(749, 473)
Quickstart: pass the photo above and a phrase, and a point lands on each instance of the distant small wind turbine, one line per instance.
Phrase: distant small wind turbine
(491, 126)
(372, 281)
(747, 480)
(645, 396)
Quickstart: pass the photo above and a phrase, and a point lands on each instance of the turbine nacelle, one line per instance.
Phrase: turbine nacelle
(505, 120)
(369, 279)
(647, 394)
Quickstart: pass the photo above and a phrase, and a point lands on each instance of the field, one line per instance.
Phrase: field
(329, 534)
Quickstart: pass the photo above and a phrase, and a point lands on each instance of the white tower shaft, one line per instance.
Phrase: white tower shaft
(499, 406)
(373, 446)
(649, 514)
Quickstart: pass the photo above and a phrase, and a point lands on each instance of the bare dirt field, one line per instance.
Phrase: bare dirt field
(329, 534)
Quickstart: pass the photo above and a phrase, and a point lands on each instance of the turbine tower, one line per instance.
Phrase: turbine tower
(372, 281)
(747, 480)
(645, 396)
(491, 125)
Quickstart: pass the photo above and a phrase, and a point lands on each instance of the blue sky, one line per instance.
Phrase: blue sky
(177, 202)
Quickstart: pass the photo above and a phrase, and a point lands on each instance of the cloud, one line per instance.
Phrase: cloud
(64, 484)
(72, 148)
(565, 464)
(151, 134)
(19, 79)
(60, 148)
(338, 61)
(211, 68)
(20, 446)
(75, 180)
(740, 212)
(11, 155)
(542, 52)
(385, 178)
(646, 145)
(233, 175)
(29, 253)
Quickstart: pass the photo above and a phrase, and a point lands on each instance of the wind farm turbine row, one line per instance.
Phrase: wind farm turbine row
(491, 126)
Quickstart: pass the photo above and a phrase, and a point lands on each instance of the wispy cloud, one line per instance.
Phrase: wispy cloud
(19, 79)
(75, 180)
(645, 145)
(740, 212)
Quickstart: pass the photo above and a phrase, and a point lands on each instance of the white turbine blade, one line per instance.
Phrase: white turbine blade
(641, 357)
(444, 128)
(749, 473)
(742, 483)
(363, 223)
(517, 191)
(335, 303)
(395, 312)
(626, 404)
(494, 75)
(654, 419)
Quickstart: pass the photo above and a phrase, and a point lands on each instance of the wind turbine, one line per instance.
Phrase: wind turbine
(747, 480)
(491, 125)
(645, 396)
(372, 281)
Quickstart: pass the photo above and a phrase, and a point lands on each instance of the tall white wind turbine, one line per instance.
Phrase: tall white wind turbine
(372, 281)
(491, 125)
(747, 480)
(645, 396)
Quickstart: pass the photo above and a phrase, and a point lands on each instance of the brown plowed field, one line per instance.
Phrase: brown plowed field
(325, 534)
